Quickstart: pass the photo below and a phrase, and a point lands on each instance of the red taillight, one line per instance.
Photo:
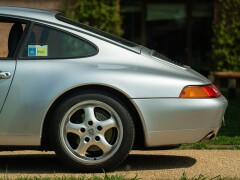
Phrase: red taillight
(206, 91)
(213, 91)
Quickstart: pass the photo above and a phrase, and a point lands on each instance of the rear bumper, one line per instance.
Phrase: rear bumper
(169, 121)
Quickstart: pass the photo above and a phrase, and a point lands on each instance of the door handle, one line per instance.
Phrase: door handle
(5, 75)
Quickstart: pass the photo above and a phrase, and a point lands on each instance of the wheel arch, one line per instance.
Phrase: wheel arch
(139, 141)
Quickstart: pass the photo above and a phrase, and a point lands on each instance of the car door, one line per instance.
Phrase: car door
(7, 68)
(11, 32)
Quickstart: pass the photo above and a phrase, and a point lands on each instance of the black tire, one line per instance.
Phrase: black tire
(105, 148)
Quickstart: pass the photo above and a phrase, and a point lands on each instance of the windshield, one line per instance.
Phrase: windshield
(96, 31)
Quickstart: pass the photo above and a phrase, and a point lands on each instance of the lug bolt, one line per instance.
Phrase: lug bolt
(87, 139)
(97, 138)
(99, 128)
(82, 130)
(90, 123)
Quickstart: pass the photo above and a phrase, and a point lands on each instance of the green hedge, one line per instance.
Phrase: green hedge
(101, 14)
(226, 41)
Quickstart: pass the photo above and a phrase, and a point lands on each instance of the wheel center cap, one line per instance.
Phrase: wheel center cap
(91, 132)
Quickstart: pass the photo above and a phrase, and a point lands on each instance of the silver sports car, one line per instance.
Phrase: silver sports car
(91, 96)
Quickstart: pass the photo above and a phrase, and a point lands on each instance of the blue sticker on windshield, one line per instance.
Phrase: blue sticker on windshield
(32, 50)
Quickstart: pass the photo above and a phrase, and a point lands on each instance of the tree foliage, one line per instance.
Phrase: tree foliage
(101, 14)
(226, 41)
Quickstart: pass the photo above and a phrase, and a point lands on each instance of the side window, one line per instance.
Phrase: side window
(10, 34)
(45, 42)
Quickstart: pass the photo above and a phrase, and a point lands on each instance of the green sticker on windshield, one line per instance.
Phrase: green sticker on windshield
(42, 50)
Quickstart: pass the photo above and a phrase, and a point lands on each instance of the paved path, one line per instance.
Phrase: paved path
(145, 164)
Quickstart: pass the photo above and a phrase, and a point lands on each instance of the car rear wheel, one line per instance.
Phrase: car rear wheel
(92, 131)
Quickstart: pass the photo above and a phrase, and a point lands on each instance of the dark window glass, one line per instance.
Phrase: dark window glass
(45, 42)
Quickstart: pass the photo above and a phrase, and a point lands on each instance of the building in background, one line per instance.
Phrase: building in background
(180, 29)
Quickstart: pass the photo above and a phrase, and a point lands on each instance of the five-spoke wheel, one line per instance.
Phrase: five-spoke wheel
(92, 131)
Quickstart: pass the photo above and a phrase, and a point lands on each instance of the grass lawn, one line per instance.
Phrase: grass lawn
(229, 135)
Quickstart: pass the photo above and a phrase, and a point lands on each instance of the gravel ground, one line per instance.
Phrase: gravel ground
(145, 164)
